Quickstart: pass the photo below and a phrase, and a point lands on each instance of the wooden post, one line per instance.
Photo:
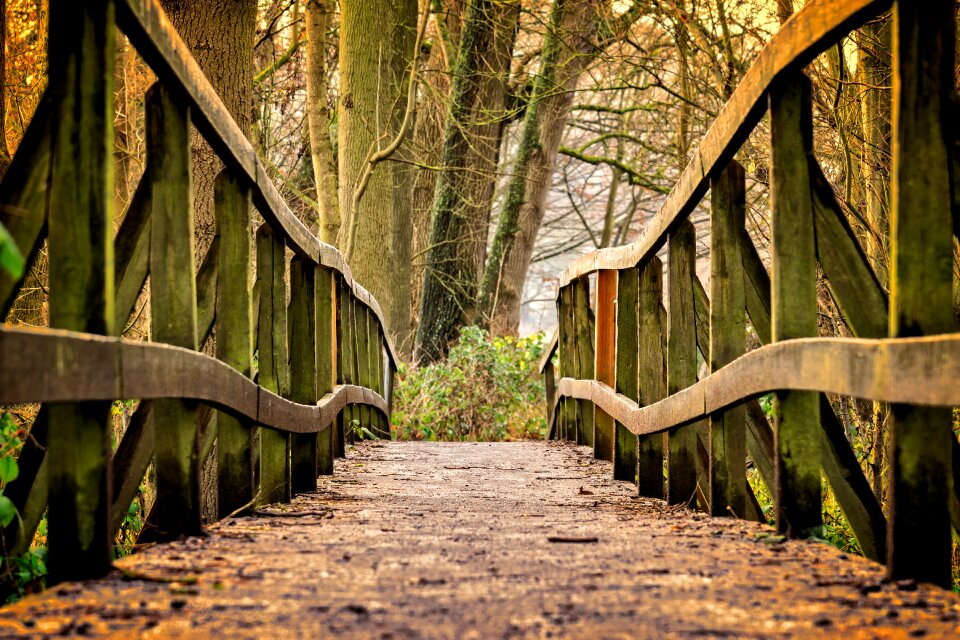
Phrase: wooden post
(682, 361)
(628, 358)
(349, 362)
(344, 357)
(921, 280)
(586, 434)
(80, 245)
(651, 374)
(273, 374)
(728, 334)
(362, 324)
(378, 358)
(235, 470)
(550, 390)
(567, 346)
(302, 317)
(173, 316)
(326, 349)
(794, 303)
(605, 354)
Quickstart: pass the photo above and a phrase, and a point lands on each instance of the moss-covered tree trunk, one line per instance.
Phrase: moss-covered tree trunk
(465, 186)
(570, 39)
(376, 45)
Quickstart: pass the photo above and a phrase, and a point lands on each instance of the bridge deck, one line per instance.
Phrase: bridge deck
(477, 540)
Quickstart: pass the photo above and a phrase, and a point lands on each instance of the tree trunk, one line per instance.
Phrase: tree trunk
(219, 34)
(376, 45)
(569, 41)
(465, 186)
(319, 21)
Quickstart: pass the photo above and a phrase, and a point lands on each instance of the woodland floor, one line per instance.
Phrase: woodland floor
(412, 540)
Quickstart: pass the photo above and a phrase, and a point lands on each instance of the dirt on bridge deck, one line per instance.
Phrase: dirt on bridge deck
(525, 540)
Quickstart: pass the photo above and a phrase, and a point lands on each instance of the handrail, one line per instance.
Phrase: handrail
(890, 370)
(155, 39)
(807, 34)
(115, 368)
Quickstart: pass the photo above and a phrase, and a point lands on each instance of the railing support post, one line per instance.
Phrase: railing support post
(794, 303)
(583, 319)
(80, 245)
(234, 337)
(651, 374)
(567, 347)
(728, 333)
(302, 318)
(173, 311)
(628, 355)
(605, 353)
(273, 373)
(682, 361)
(326, 353)
(921, 280)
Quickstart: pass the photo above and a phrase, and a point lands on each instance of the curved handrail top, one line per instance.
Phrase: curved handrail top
(919, 371)
(66, 366)
(803, 37)
(154, 37)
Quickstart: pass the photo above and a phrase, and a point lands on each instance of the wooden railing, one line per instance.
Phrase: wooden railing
(628, 369)
(325, 363)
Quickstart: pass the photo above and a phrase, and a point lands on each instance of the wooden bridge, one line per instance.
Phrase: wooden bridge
(472, 540)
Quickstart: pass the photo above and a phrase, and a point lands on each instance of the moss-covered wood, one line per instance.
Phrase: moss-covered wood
(585, 331)
(273, 372)
(921, 281)
(302, 329)
(173, 316)
(728, 333)
(234, 337)
(80, 277)
(681, 361)
(326, 335)
(628, 355)
(794, 303)
(651, 372)
(567, 348)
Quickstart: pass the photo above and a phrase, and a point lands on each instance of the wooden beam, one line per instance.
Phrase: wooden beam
(302, 329)
(80, 277)
(921, 283)
(682, 361)
(794, 303)
(626, 380)
(727, 479)
(583, 319)
(651, 374)
(326, 340)
(605, 353)
(273, 373)
(567, 362)
(234, 338)
(173, 310)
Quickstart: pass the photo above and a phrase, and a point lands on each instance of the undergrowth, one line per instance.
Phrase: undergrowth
(488, 388)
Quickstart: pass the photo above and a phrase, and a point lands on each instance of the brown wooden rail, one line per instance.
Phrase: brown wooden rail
(325, 361)
(628, 384)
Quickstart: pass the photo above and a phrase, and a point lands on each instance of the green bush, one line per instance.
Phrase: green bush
(488, 388)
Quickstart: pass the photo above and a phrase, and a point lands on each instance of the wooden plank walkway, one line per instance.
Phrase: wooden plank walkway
(415, 540)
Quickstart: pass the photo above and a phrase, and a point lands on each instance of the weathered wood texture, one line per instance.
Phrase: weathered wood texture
(921, 281)
(567, 361)
(681, 360)
(584, 330)
(80, 278)
(728, 333)
(302, 330)
(605, 351)
(651, 372)
(325, 351)
(794, 302)
(628, 357)
(173, 311)
(273, 374)
(234, 337)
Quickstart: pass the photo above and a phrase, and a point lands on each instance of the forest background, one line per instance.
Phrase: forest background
(461, 152)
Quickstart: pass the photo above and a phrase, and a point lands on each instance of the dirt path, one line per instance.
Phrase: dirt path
(415, 540)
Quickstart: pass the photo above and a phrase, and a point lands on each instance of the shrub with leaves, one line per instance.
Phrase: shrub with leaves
(488, 388)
